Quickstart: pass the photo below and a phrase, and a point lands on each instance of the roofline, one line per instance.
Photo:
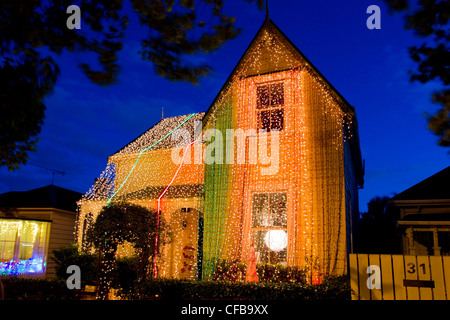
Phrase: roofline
(420, 202)
(25, 218)
(234, 70)
(352, 109)
(423, 223)
(135, 139)
(182, 115)
(35, 208)
(397, 196)
(21, 210)
(47, 186)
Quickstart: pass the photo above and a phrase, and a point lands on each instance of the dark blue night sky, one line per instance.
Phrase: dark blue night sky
(86, 123)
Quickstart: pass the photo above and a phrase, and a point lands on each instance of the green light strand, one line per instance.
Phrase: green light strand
(217, 198)
(140, 154)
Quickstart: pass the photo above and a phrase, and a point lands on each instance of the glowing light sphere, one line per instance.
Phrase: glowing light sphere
(276, 240)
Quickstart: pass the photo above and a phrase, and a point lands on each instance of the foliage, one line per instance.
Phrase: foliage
(235, 271)
(279, 273)
(120, 222)
(22, 89)
(70, 255)
(38, 289)
(377, 228)
(32, 32)
(229, 271)
(126, 277)
(333, 288)
(429, 19)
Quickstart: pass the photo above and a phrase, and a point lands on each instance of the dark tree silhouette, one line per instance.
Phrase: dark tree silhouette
(30, 29)
(377, 228)
(429, 19)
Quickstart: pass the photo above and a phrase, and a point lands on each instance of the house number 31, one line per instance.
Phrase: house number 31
(412, 268)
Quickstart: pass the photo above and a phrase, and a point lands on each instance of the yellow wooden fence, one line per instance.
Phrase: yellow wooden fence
(399, 277)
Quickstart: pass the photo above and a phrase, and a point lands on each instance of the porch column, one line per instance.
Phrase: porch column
(410, 240)
(436, 248)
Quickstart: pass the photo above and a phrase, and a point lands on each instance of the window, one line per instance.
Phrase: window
(269, 222)
(270, 106)
(23, 246)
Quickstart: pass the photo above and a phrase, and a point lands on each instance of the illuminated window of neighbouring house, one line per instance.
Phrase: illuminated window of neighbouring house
(23, 246)
(269, 227)
(270, 105)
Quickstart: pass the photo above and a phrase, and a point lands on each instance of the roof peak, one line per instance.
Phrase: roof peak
(433, 187)
(293, 58)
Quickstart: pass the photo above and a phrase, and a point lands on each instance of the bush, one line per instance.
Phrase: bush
(38, 289)
(333, 288)
(125, 277)
(235, 271)
(70, 255)
(230, 271)
(124, 274)
(278, 273)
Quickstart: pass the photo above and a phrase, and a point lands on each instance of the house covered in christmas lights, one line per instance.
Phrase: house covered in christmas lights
(269, 174)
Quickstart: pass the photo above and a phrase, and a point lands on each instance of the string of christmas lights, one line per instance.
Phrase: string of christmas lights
(294, 124)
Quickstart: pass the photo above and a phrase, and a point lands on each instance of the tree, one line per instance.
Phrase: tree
(30, 31)
(429, 19)
(377, 228)
(22, 89)
(70, 254)
(120, 222)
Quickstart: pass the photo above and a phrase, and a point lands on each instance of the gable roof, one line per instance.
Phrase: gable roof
(433, 188)
(255, 61)
(45, 197)
(268, 36)
(159, 130)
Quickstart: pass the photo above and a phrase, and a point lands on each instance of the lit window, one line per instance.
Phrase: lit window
(23, 246)
(270, 106)
(269, 222)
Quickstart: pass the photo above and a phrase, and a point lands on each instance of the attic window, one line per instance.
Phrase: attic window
(270, 102)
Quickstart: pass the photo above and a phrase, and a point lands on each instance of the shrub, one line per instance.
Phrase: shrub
(235, 271)
(230, 271)
(70, 255)
(279, 273)
(334, 288)
(125, 276)
(38, 289)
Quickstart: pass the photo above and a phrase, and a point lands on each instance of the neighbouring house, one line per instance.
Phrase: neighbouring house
(32, 224)
(268, 174)
(425, 215)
